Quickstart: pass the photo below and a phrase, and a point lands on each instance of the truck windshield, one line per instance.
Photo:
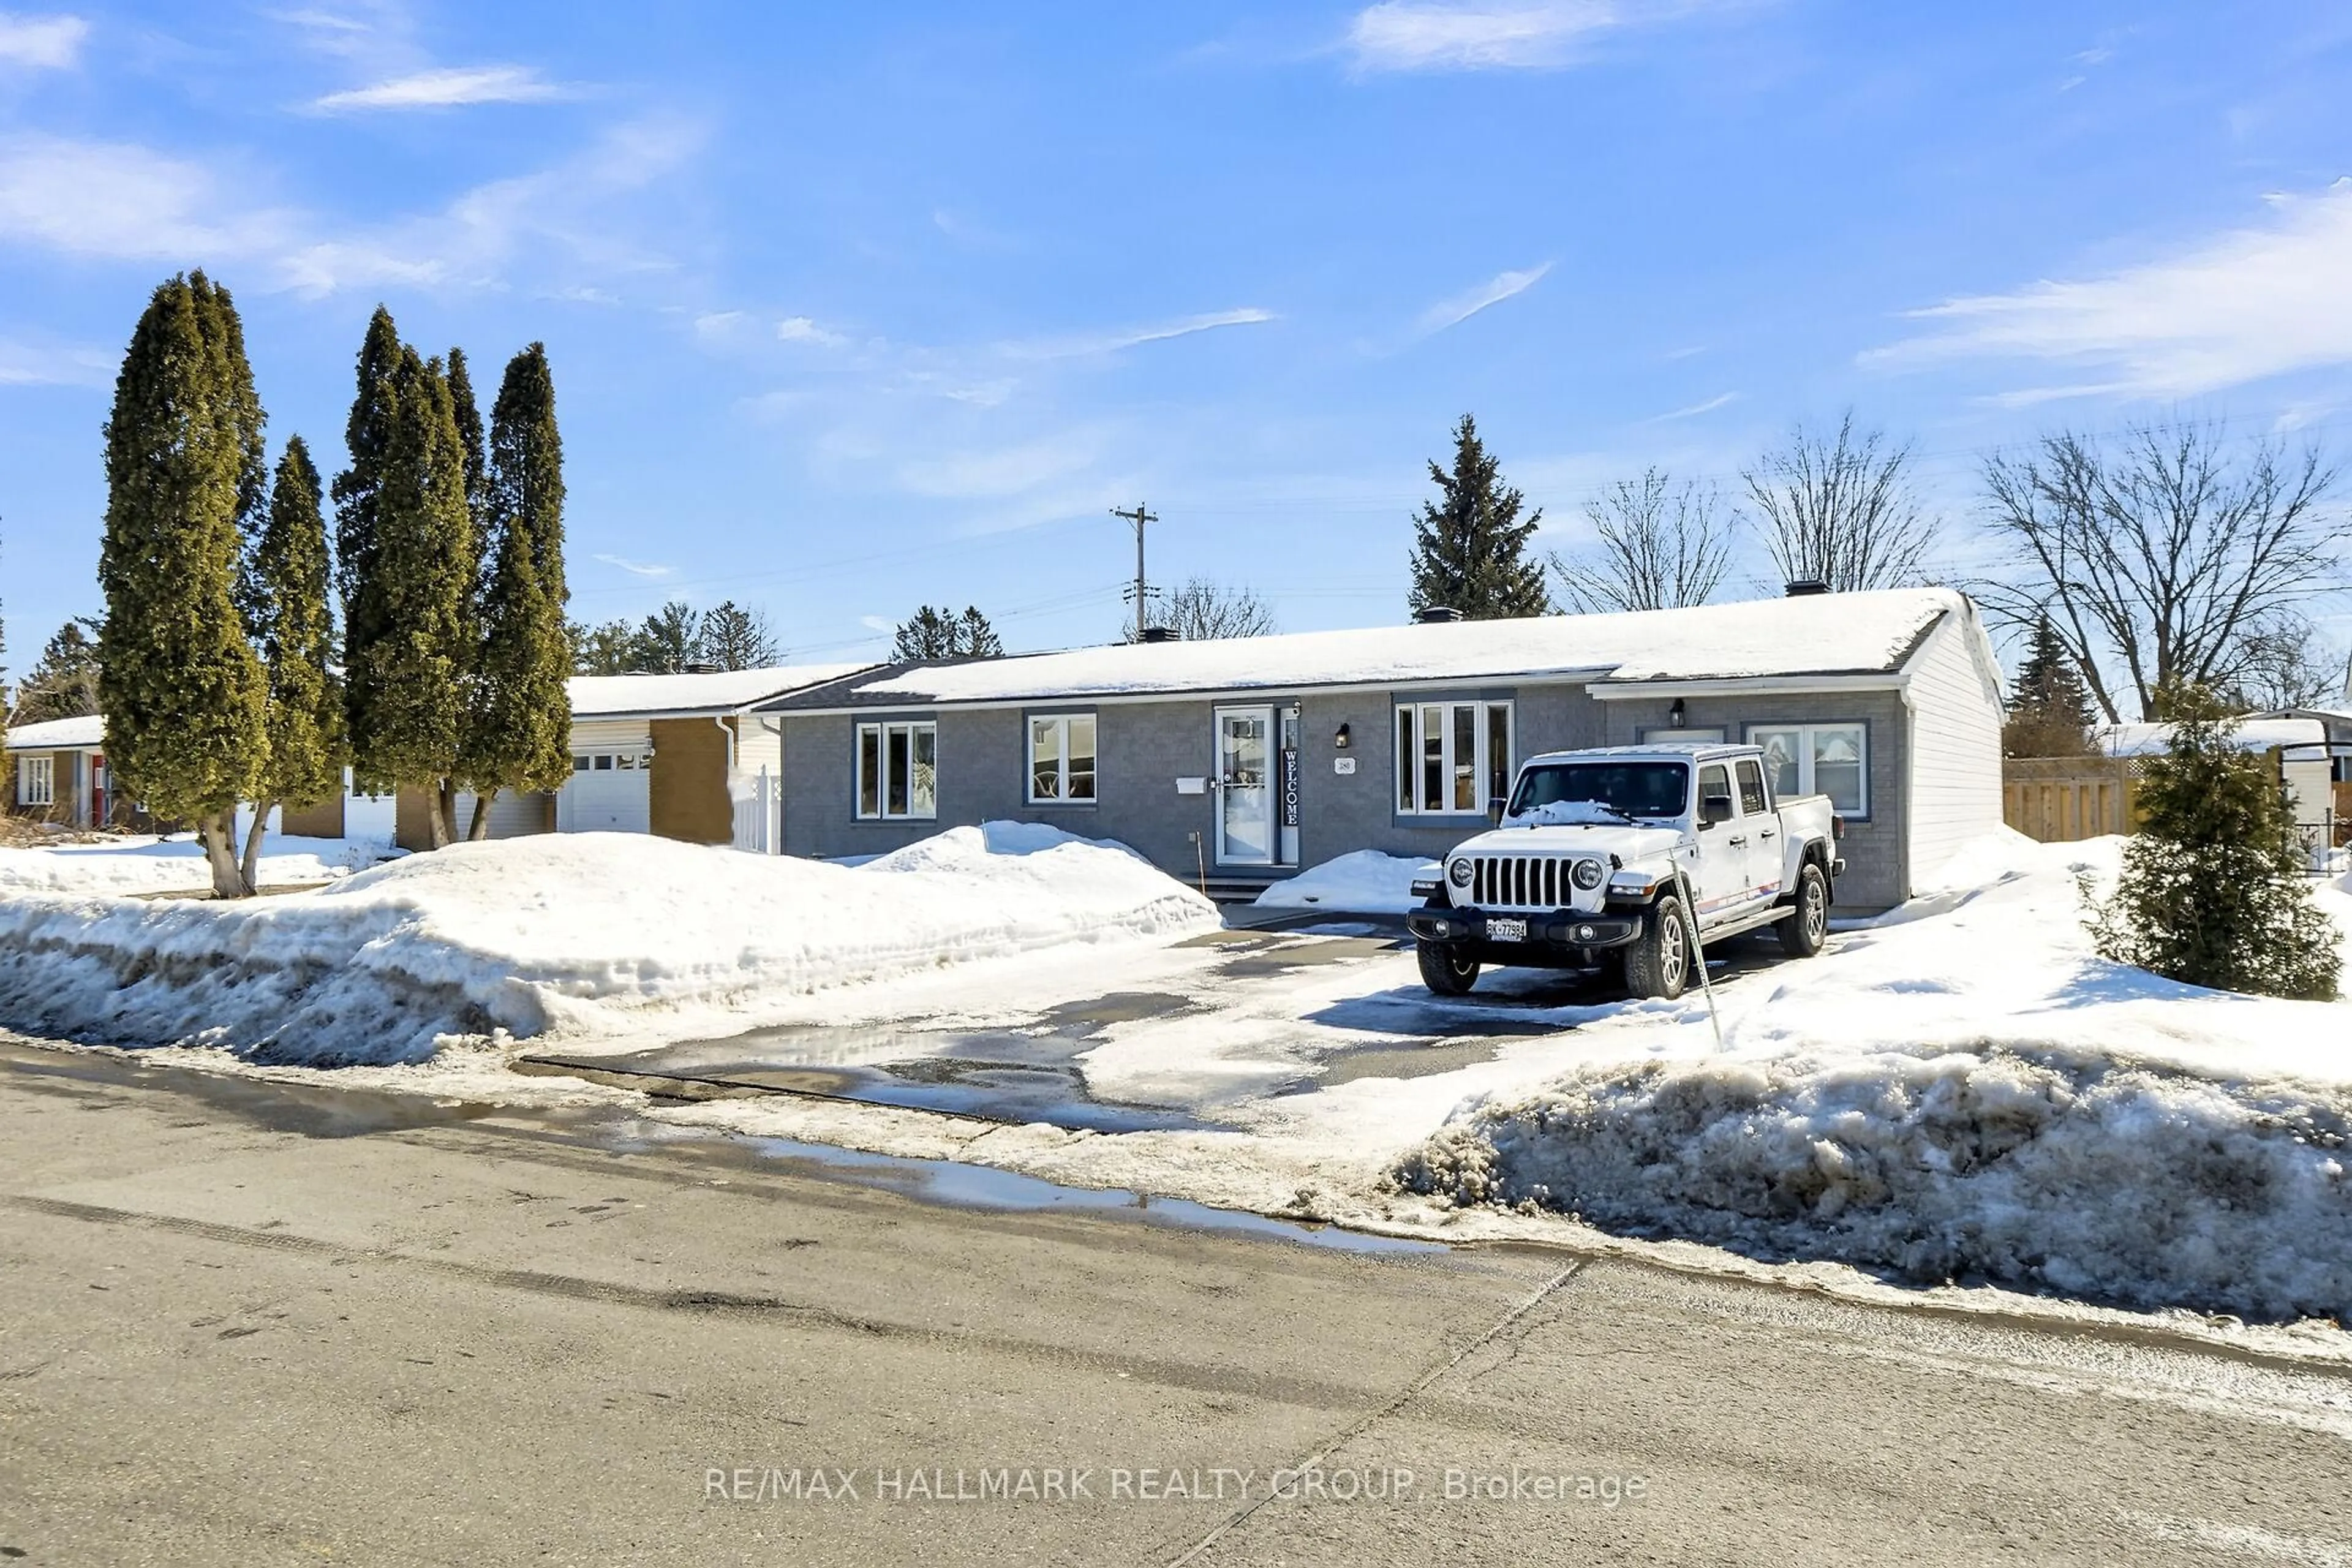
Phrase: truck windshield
(1634, 789)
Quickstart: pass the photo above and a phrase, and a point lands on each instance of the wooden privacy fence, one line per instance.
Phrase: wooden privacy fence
(2059, 800)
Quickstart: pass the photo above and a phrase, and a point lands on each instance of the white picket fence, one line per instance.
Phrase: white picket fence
(759, 816)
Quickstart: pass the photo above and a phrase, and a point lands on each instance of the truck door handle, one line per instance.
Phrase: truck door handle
(1769, 832)
(1741, 839)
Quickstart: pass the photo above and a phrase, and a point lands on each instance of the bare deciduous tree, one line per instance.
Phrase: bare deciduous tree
(2284, 664)
(2171, 562)
(1841, 510)
(1656, 546)
(1201, 611)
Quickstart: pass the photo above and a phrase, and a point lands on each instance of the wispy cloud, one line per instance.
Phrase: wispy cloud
(1460, 308)
(802, 330)
(2258, 301)
(1080, 346)
(1695, 409)
(26, 364)
(449, 87)
(41, 43)
(121, 200)
(1484, 35)
(636, 568)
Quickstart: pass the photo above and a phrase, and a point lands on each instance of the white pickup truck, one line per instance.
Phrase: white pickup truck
(1646, 849)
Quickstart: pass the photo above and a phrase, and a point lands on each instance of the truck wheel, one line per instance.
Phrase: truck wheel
(1445, 969)
(1805, 930)
(1658, 965)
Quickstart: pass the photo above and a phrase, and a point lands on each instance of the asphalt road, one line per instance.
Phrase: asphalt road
(241, 1324)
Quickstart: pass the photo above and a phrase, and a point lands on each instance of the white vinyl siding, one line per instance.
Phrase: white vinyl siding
(1452, 758)
(37, 780)
(512, 816)
(1062, 759)
(1954, 760)
(897, 771)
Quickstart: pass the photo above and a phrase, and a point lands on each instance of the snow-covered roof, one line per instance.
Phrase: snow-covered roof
(1825, 635)
(613, 696)
(59, 734)
(2253, 735)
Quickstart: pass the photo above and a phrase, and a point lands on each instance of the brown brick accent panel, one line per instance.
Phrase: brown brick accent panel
(689, 783)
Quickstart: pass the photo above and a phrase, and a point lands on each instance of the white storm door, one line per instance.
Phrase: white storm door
(1246, 786)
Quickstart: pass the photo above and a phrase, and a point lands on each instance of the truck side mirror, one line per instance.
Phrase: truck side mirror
(1495, 811)
(1715, 808)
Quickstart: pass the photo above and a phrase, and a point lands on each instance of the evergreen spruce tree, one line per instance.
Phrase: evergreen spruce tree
(64, 683)
(519, 731)
(179, 684)
(669, 639)
(607, 649)
(942, 633)
(733, 638)
(407, 665)
(2049, 710)
(1469, 551)
(2214, 891)
(283, 597)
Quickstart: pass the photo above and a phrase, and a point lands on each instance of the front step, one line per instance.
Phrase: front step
(1241, 887)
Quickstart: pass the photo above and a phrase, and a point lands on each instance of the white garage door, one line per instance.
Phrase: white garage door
(607, 792)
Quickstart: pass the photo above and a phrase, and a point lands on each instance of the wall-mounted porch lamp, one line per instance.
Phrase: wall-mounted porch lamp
(1674, 714)
(1339, 737)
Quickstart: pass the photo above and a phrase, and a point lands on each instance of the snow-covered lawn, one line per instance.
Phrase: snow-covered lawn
(144, 864)
(572, 936)
(1959, 1090)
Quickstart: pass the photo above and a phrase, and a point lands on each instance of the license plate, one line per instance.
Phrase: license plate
(1507, 931)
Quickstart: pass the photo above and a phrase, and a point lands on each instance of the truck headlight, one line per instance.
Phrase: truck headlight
(1458, 873)
(1587, 875)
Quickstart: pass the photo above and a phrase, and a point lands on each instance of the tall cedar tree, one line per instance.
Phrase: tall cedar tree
(470, 436)
(2214, 891)
(407, 665)
(284, 598)
(366, 435)
(519, 734)
(1469, 550)
(2048, 711)
(180, 687)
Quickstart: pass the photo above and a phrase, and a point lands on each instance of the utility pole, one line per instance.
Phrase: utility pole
(1139, 516)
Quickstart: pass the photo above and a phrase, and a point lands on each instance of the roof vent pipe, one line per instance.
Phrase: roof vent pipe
(699, 666)
(1805, 588)
(1437, 615)
(1160, 633)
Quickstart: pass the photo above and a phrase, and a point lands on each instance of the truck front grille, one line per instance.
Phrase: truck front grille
(1520, 881)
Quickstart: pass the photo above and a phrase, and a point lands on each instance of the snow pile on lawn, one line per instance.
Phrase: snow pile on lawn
(174, 865)
(2043, 1170)
(1366, 882)
(575, 934)
(1965, 1091)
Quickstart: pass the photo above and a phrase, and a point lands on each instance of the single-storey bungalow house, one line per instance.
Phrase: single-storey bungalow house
(58, 773)
(1238, 762)
(677, 755)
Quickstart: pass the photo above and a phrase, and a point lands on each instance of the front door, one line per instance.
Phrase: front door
(1245, 816)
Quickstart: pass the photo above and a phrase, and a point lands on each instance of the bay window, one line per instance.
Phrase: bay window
(897, 771)
(1818, 759)
(1452, 758)
(1061, 759)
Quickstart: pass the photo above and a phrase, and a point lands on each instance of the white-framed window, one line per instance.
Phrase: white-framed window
(1061, 758)
(37, 780)
(898, 770)
(1452, 758)
(1818, 759)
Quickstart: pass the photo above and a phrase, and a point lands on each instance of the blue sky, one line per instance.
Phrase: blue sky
(852, 309)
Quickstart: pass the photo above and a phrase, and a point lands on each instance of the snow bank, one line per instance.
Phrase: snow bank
(174, 865)
(1366, 882)
(2046, 1169)
(578, 935)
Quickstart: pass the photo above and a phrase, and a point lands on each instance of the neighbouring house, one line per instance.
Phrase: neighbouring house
(58, 773)
(1238, 762)
(679, 755)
